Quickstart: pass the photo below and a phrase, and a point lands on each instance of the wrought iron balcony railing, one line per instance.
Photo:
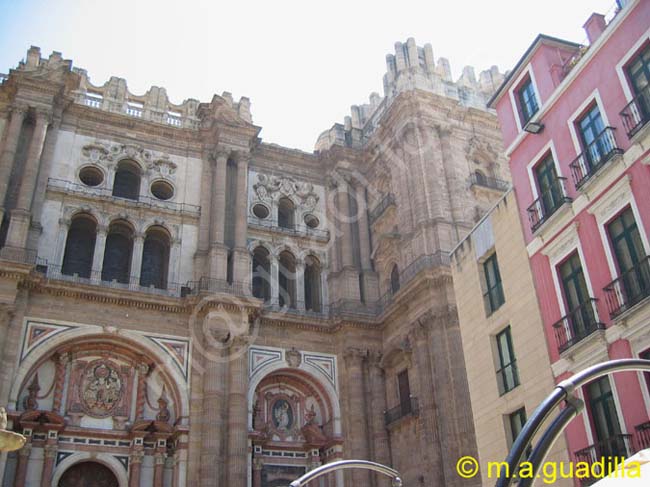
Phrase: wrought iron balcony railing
(407, 408)
(296, 230)
(18, 254)
(548, 203)
(141, 201)
(616, 446)
(382, 206)
(210, 285)
(595, 155)
(577, 325)
(492, 183)
(636, 113)
(643, 436)
(629, 288)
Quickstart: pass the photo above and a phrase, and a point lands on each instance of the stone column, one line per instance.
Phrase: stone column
(242, 264)
(51, 449)
(343, 216)
(237, 413)
(18, 113)
(205, 231)
(300, 286)
(212, 432)
(98, 253)
(64, 228)
(59, 382)
(324, 289)
(158, 469)
(357, 437)
(20, 216)
(218, 251)
(21, 466)
(174, 262)
(143, 370)
(135, 465)
(275, 280)
(364, 234)
(380, 440)
(257, 472)
(430, 438)
(136, 259)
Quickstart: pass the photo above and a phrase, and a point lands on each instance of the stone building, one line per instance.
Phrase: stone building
(186, 304)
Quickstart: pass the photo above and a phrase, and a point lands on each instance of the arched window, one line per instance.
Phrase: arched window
(312, 284)
(80, 246)
(155, 258)
(394, 279)
(286, 213)
(287, 279)
(117, 253)
(480, 178)
(261, 274)
(127, 180)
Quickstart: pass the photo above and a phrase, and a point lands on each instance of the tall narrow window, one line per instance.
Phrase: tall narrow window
(493, 296)
(596, 145)
(80, 247)
(645, 355)
(261, 274)
(528, 105)
(155, 258)
(630, 257)
(404, 390)
(639, 75)
(117, 253)
(604, 420)
(516, 422)
(287, 279)
(507, 374)
(550, 192)
(394, 279)
(312, 284)
(286, 213)
(580, 312)
(127, 180)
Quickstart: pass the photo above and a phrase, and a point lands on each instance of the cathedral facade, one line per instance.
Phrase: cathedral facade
(184, 304)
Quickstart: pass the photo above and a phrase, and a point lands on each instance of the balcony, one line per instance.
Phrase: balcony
(478, 179)
(548, 203)
(294, 231)
(577, 325)
(595, 156)
(616, 446)
(209, 285)
(18, 254)
(143, 201)
(96, 278)
(630, 288)
(636, 113)
(643, 436)
(386, 202)
(409, 407)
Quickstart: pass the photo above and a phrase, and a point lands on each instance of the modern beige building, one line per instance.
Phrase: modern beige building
(508, 368)
(185, 304)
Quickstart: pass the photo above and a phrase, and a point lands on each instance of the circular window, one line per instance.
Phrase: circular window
(260, 211)
(311, 221)
(91, 176)
(162, 190)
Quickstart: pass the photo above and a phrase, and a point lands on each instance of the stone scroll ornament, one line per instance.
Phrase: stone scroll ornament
(269, 188)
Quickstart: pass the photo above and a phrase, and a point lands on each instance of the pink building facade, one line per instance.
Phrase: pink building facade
(576, 125)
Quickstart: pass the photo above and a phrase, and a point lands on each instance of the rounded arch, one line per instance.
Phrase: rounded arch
(310, 374)
(109, 461)
(287, 278)
(156, 249)
(130, 340)
(260, 243)
(286, 213)
(118, 251)
(312, 283)
(79, 249)
(261, 272)
(394, 281)
(126, 181)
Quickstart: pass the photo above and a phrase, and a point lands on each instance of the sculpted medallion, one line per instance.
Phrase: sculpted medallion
(101, 388)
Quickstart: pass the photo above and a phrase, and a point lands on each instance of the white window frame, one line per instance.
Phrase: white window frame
(536, 160)
(573, 119)
(513, 93)
(627, 91)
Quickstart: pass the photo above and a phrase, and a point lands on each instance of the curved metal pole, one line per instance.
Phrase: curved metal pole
(345, 464)
(543, 411)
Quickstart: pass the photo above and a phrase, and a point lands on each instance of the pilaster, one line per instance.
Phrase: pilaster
(18, 113)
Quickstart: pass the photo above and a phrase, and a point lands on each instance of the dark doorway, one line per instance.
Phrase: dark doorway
(88, 474)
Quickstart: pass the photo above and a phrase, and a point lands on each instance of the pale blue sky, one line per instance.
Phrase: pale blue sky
(302, 63)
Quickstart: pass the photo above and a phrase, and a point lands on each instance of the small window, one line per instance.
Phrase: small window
(404, 391)
(286, 213)
(596, 145)
(394, 280)
(311, 221)
(507, 373)
(91, 176)
(516, 422)
(528, 105)
(162, 190)
(260, 211)
(493, 296)
(127, 180)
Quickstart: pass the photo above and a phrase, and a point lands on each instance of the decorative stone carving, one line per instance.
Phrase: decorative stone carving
(101, 388)
(163, 411)
(272, 188)
(164, 167)
(30, 403)
(293, 358)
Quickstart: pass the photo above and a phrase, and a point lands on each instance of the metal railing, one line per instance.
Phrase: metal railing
(595, 155)
(577, 325)
(410, 407)
(629, 288)
(548, 203)
(141, 201)
(492, 183)
(209, 285)
(18, 254)
(101, 278)
(615, 446)
(642, 436)
(386, 202)
(636, 113)
(295, 231)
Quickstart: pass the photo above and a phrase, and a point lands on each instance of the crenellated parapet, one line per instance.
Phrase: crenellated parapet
(412, 68)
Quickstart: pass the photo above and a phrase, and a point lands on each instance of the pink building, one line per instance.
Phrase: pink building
(576, 124)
